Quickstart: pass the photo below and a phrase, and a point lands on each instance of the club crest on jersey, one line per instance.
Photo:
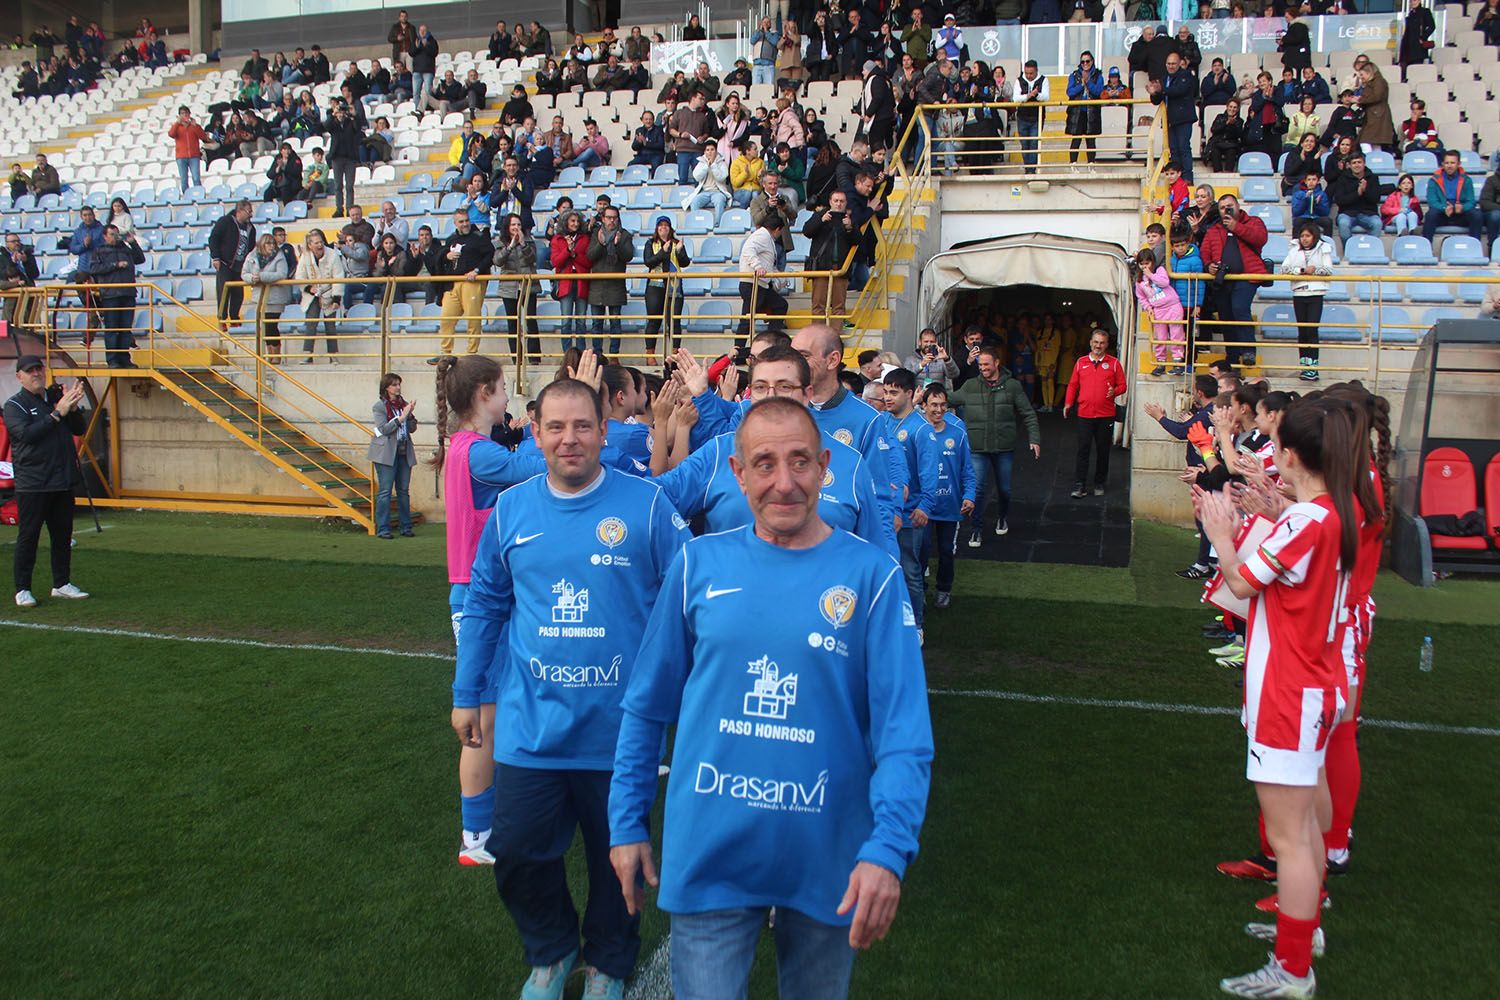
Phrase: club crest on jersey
(949, 443)
(901, 434)
(611, 532)
(843, 436)
(827, 478)
(678, 522)
(837, 605)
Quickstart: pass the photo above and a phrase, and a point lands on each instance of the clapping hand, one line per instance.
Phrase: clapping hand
(729, 382)
(666, 400)
(70, 397)
(588, 368)
(694, 377)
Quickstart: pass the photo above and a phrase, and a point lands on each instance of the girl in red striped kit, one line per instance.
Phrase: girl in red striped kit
(1296, 689)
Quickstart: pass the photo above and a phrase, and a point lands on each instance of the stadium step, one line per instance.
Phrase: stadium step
(122, 112)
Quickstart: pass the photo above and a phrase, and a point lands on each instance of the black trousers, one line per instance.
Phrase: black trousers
(1098, 433)
(1308, 309)
(533, 342)
(55, 509)
(118, 316)
(768, 302)
(233, 300)
(662, 317)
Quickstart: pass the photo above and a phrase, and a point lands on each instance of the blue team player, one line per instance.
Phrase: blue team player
(717, 415)
(953, 499)
(803, 751)
(705, 484)
(918, 447)
(475, 470)
(624, 399)
(565, 577)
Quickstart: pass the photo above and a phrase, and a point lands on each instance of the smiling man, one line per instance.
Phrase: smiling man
(565, 576)
(803, 752)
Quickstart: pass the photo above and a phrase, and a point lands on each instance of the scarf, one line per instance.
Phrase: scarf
(393, 408)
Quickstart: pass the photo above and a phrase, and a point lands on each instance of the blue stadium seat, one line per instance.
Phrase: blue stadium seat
(1380, 163)
(697, 286)
(573, 177)
(633, 315)
(1275, 323)
(187, 289)
(1264, 190)
(400, 315)
(1408, 250)
(1464, 251)
(601, 177)
(1276, 248)
(801, 247)
(696, 223)
(48, 202)
(711, 316)
(736, 221)
(1365, 250)
(264, 212)
(1340, 326)
(727, 286)
(197, 262)
(665, 174)
(451, 203)
(545, 201)
(220, 193)
(644, 198)
(1432, 293)
(159, 217)
(428, 323)
(1473, 164)
(361, 318)
(196, 237)
(1419, 163)
(1338, 291)
(715, 250)
(635, 175)
(27, 202)
(1472, 292)
(291, 314)
(1431, 316)
(424, 203)
(548, 316)
(1274, 216)
(1389, 324)
(53, 267)
(1255, 165)
(1276, 291)
(419, 182)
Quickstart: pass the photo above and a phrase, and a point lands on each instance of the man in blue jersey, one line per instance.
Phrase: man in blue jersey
(566, 574)
(847, 417)
(704, 483)
(917, 446)
(953, 499)
(802, 753)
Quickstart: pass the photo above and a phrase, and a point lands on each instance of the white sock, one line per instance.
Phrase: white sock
(475, 839)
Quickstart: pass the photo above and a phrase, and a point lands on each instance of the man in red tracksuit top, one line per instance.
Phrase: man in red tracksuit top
(1095, 386)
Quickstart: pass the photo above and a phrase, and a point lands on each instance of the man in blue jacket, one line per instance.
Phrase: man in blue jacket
(917, 446)
(566, 574)
(1178, 90)
(803, 752)
(1451, 200)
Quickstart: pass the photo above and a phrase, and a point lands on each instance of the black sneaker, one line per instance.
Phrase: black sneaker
(1338, 867)
(1218, 635)
(1078, 492)
(1002, 527)
(1195, 572)
(975, 541)
(1098, 491)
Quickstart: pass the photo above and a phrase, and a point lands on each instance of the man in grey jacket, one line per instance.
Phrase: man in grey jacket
(610, 249)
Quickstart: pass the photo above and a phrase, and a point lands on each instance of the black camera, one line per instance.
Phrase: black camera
(741, 355)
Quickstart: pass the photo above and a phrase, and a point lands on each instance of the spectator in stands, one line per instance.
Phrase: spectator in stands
(1378, 128)
(1266, 123)
(1313, 85)
(28, 84)
(1309, 259)
(20, 182)
(316, 69)
(549, 79)
(714, 190)
(611, 76)
(1032, 89)
(1304, 122)
(344, 140)
(1302, 158)
(593, 150)
(379, 145)
(156, 52)
(1226, 138)
(637, 77)
(691, 129)
(314, 177)
(733, 126)
(188, 137)
(1489, 207)
(791, 168)
(1148, 54)
(1310, 202)
(518, 108)
(1233, 245)
(664, 254)
(1451, 200)
(316, 269)
(263, 268)
(18, 269)
(357, 254)
(44, 179)
(515, 256)
(580, 51)
(1177, 90)
(1401, 210)
(744, 174)
(287, 71)
(285, 176)
(88, 237)
(759, 295)
(112, 265)
(476, 201)
(540, 43)
(1418, 131)
(446, 94)
(424, 52)
(833, 235)
(1295, 43)
(702, 82)
(930, 362)
(463, 153)
(1488, 22)
(1416, 37)
(610, 249)
(425, 254)
(255, 65)
(770, 200)
(1187, 48)
(1086, 83)
(1337, 161)
(763, 47)
(694, 32)
(649, 142)
(570, 256)
(822, 48)
(879, 104)
(1358, 195)
(229, 243)
(403, 37)
(513, 193)
(468, 255)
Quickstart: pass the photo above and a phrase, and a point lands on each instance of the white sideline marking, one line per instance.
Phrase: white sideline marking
(1175, 708)
(654, 981)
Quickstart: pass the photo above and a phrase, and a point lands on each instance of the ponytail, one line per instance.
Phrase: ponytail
(1372, 414)
(459, 381)
(444, 366)
(1321, 431)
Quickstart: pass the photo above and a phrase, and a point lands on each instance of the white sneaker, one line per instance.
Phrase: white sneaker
(921, 641)
(69, 591)
(1267, 933)
(24, 599)
(472, 853)
(1002, 526)
(1270, 981)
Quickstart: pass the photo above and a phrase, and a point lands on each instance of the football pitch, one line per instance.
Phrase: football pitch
(272, 811)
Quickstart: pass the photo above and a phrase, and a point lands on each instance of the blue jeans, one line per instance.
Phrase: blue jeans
(685, 164)
(355, 293)
(712, 954)
(743, 197)
(1180, 147)
(1028, 130)
(574, 312)
(762, 73)
(910, 541)
(608, 320)
(586, 159)
(188, 166)
(537, 813)
(421, 86)
(996, 466)
(387, 477)
(714, 201)
(1348, 222)
(1236, 308)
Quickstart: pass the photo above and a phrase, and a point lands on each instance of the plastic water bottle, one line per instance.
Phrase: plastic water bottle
(1426, 661)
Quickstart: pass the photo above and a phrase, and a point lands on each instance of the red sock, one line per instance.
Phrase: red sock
(1294, 943)
(1342, 765)
(1265, 845)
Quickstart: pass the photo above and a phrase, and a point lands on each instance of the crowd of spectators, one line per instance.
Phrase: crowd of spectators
(74, 63)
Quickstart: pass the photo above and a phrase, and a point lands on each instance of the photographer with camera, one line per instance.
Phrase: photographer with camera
(41, 423)
(833, 236)
(770, 201)
(344, 139)
(931, 362)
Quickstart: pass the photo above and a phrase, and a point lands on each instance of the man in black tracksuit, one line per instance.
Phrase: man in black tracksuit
(41, 423)
(229, 243)
(113, 264)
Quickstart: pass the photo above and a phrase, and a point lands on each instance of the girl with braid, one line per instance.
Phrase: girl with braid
(475, 470)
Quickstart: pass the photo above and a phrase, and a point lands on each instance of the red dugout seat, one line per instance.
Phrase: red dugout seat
(1492, 500)
(1448, 487)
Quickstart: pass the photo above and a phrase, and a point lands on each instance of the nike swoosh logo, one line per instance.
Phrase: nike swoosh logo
(711, 593)
(523, 539)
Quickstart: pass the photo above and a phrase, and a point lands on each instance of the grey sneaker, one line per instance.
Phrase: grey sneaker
(943, 600)
(69, 592)
(1002, 526)
(24, 599)
(1270, 981)
(1098, 491)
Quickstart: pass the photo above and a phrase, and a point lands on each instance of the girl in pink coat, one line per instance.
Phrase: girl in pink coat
(1154, 291)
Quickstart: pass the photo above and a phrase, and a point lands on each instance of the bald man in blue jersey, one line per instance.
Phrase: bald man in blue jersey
(803, 751)
(564, 579)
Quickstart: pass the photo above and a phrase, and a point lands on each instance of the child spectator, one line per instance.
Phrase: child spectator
(1310, 257)
(1310, 202)
(1401, 210)
(1154, 292)
(1187, 260)
(1173, 194)
(1156, 242)
(1418, 131)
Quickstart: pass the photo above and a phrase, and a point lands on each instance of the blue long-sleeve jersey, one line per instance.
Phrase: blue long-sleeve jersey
(716, 415)
(705, 484)
(956, 481)
(800, 749)
(494, 468)
(633, 441)
(856, 423)
(566, 583)
(918, 448)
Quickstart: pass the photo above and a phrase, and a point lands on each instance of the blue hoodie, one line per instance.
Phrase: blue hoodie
(1190, 293)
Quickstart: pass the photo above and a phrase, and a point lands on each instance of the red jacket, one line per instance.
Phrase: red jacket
(1095, 387)
(576, 262)
(188, 139)
(1250, 231)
